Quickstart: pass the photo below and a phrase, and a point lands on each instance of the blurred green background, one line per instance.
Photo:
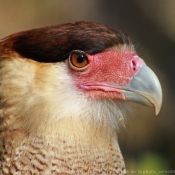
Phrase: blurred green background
(147, 141)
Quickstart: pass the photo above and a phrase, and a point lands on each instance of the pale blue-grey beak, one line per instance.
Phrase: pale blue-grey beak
(145, 89)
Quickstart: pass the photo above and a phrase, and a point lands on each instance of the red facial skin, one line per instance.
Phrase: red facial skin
(106, 73)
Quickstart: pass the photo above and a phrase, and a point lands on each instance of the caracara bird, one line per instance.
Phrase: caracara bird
(64, 92)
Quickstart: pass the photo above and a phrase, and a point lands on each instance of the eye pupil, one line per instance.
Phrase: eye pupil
(80, 58)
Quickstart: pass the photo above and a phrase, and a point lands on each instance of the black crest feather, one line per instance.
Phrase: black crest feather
(54, 43)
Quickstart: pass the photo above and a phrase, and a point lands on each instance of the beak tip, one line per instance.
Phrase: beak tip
(158, 106)
(158, 98)
(157, 111)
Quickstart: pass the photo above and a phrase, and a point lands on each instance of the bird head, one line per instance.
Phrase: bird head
(84, 72)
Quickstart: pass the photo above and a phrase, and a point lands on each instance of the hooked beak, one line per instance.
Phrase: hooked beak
(144, 89)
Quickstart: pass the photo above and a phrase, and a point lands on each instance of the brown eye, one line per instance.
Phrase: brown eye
(78, 59)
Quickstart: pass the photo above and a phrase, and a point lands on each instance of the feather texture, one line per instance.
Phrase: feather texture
(49, 122)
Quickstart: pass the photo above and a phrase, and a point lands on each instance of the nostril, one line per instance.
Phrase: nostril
(133, 65)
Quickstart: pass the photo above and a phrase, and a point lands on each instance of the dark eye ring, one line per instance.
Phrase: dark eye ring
(78, 59)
